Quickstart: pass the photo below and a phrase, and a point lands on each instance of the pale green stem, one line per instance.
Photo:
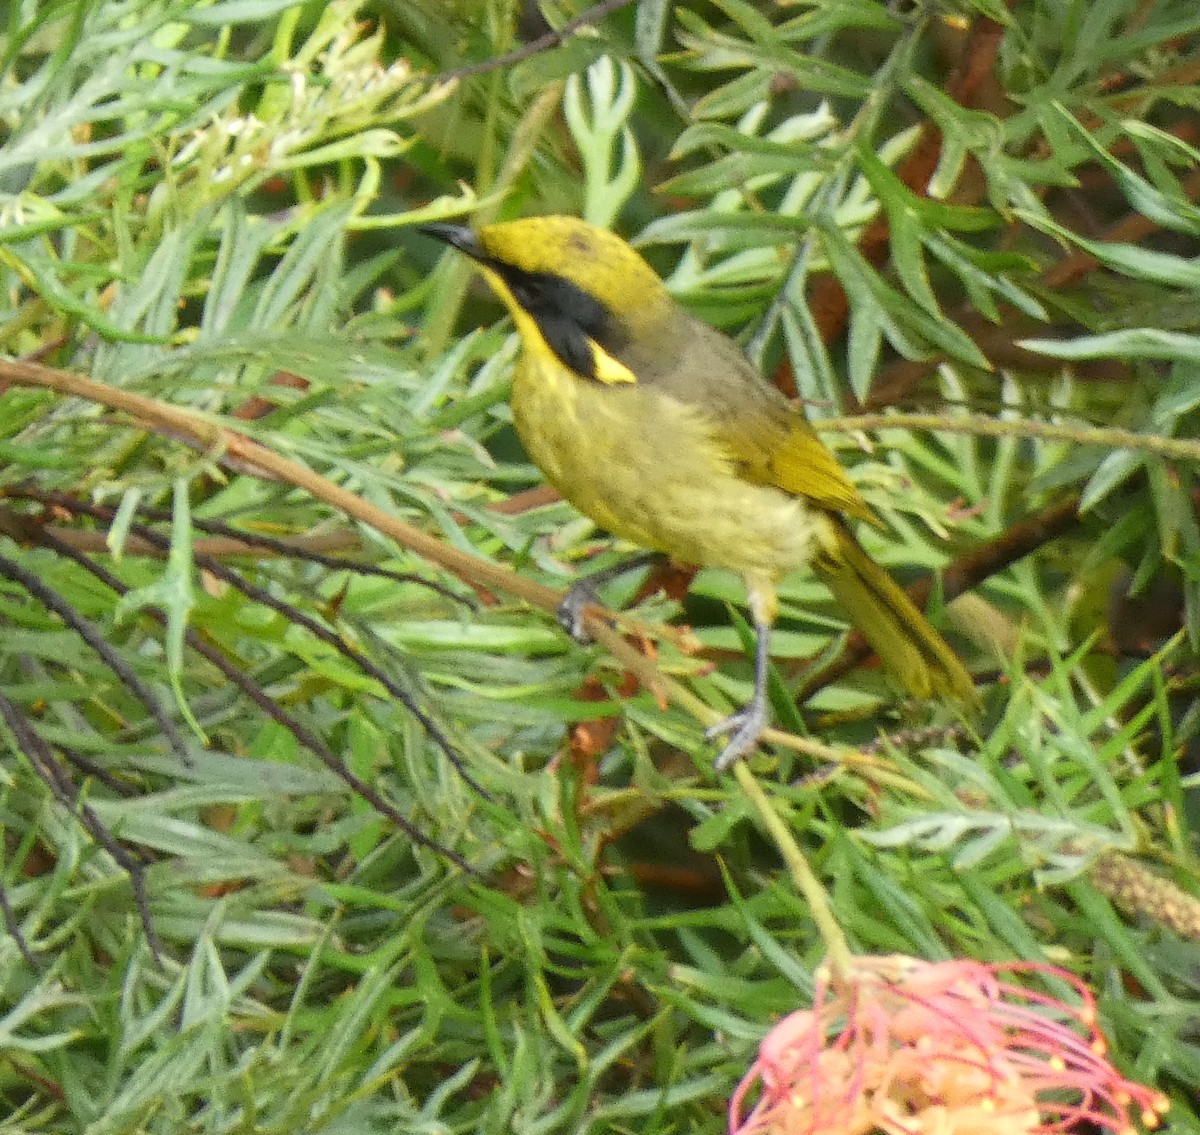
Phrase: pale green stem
(1187, 449)
(837, 950)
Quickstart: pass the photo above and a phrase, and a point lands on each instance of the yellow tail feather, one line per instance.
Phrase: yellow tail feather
(899, 633)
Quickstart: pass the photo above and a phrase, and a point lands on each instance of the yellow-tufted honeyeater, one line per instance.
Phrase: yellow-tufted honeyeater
(657, 427)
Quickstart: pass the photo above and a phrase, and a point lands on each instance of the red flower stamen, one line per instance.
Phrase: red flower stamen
(916, 1048)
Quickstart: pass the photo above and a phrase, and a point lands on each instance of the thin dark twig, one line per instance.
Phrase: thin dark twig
(96, 772)
(269, 706)
(592, 15)
(53, 601)
(335, 640)
(85, 764)
(40, 756)
(293, 614)
(14, 927)
(323, 753)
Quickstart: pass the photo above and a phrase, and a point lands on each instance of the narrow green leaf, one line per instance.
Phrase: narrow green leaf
(1134, 343)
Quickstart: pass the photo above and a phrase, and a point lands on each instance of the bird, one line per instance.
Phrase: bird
(656, 426)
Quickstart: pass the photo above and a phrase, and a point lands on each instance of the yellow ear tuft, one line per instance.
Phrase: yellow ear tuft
(608, 370)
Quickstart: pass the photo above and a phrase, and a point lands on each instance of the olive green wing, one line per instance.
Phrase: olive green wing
(770, 441)
(787, 452)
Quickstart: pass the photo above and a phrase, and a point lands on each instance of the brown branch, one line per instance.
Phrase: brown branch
(227, 542)
(525, 500)
(257, 460)
(221, 547)
(1130, 229)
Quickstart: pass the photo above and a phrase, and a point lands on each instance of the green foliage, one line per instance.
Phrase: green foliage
(211, 205)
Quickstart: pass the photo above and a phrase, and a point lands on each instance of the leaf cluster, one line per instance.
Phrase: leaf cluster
(305, 831)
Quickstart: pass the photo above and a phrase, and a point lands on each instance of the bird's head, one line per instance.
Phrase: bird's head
(579, 289)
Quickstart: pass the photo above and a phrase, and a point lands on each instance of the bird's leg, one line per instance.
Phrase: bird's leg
(585, 591)
(747, 724)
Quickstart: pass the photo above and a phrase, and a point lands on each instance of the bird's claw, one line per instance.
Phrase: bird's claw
(746, 727)
(570, 611)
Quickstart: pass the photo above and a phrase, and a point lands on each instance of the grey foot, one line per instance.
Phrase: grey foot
(570, 611)
(746, 727)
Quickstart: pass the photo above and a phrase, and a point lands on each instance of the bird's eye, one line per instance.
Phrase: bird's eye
(526, 294)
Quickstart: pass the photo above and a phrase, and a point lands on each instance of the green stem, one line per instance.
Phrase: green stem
(837, 950)
(1186, 449)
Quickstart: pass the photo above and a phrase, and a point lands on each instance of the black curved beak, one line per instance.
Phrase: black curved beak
(461, 237)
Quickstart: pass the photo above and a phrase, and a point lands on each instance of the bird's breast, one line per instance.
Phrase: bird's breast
(652, 470)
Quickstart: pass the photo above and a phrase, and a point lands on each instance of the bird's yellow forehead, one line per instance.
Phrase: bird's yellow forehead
(541, 244)
(594, 260)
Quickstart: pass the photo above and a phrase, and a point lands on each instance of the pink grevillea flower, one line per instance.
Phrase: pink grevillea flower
(906, 1047)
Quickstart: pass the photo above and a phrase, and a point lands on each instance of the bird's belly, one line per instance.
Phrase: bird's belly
(649, 469)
